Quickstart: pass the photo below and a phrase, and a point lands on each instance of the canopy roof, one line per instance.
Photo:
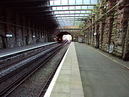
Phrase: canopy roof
(53, 13)
(72, 12)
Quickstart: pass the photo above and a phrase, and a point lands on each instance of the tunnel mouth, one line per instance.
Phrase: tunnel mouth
(62, 36)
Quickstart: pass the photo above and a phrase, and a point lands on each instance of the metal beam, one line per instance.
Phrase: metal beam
(42, 14)
(22, 9)
(36, 13)
(31, 7)
(43, 11)
(76, 20)
(56, 10)
(73, 19)
(73, 5)
(70, 13)
(51, 18)
(23, 4)
(8, 1)
(68, 18)
(69, 29)
(39, 15)
(71, 16)
(74, 10)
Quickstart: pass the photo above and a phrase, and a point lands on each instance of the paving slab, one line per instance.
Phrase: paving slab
(67, 80)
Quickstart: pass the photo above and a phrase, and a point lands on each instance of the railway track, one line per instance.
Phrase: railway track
(22, 73)
(10, 58)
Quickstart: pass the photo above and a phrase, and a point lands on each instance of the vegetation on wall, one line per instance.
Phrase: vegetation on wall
(106, 27)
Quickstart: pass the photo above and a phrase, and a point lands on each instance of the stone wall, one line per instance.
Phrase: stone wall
(18, 30)
(107, 27)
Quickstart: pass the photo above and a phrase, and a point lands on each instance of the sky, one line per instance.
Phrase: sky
(70, 18)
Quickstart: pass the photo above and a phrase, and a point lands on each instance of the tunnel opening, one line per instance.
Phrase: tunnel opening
(64, 36)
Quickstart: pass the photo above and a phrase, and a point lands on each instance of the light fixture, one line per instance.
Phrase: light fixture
(33, 36)
(9, 35)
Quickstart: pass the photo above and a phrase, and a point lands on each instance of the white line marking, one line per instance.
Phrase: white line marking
(49, 90)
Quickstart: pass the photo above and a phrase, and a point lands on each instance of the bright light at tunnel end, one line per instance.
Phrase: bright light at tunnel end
(67, 37)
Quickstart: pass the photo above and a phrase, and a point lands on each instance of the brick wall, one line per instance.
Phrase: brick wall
(111, 27)
(23, 31)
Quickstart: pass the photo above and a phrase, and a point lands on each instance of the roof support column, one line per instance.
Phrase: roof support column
(123, 34)
(42, 36)
(4, 40)
(46, 35)
(29, 33)
(9, 29)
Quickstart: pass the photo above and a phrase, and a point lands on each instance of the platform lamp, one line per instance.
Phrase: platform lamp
(9, 35)
(33, 36)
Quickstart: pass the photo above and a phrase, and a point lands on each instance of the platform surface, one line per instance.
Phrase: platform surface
(102, 74)
(9, 51)
(89, 72)
(67, 80)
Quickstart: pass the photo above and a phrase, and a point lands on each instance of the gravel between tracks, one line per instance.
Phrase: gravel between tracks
(33, 86)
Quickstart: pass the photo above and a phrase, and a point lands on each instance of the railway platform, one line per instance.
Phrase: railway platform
(89, 72)
(67, 81)
(11, 51)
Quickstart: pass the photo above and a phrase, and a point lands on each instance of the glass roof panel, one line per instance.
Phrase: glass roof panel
(78, 7)
(71, 1)
(79, 1)
(77, 11)
(71, 12)
(65, 7)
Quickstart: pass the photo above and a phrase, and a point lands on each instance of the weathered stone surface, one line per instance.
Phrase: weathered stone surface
(112, 30)
(17, 30)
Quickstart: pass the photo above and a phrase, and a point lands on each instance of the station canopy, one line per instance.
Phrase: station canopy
(52, 13)
(72, 13)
